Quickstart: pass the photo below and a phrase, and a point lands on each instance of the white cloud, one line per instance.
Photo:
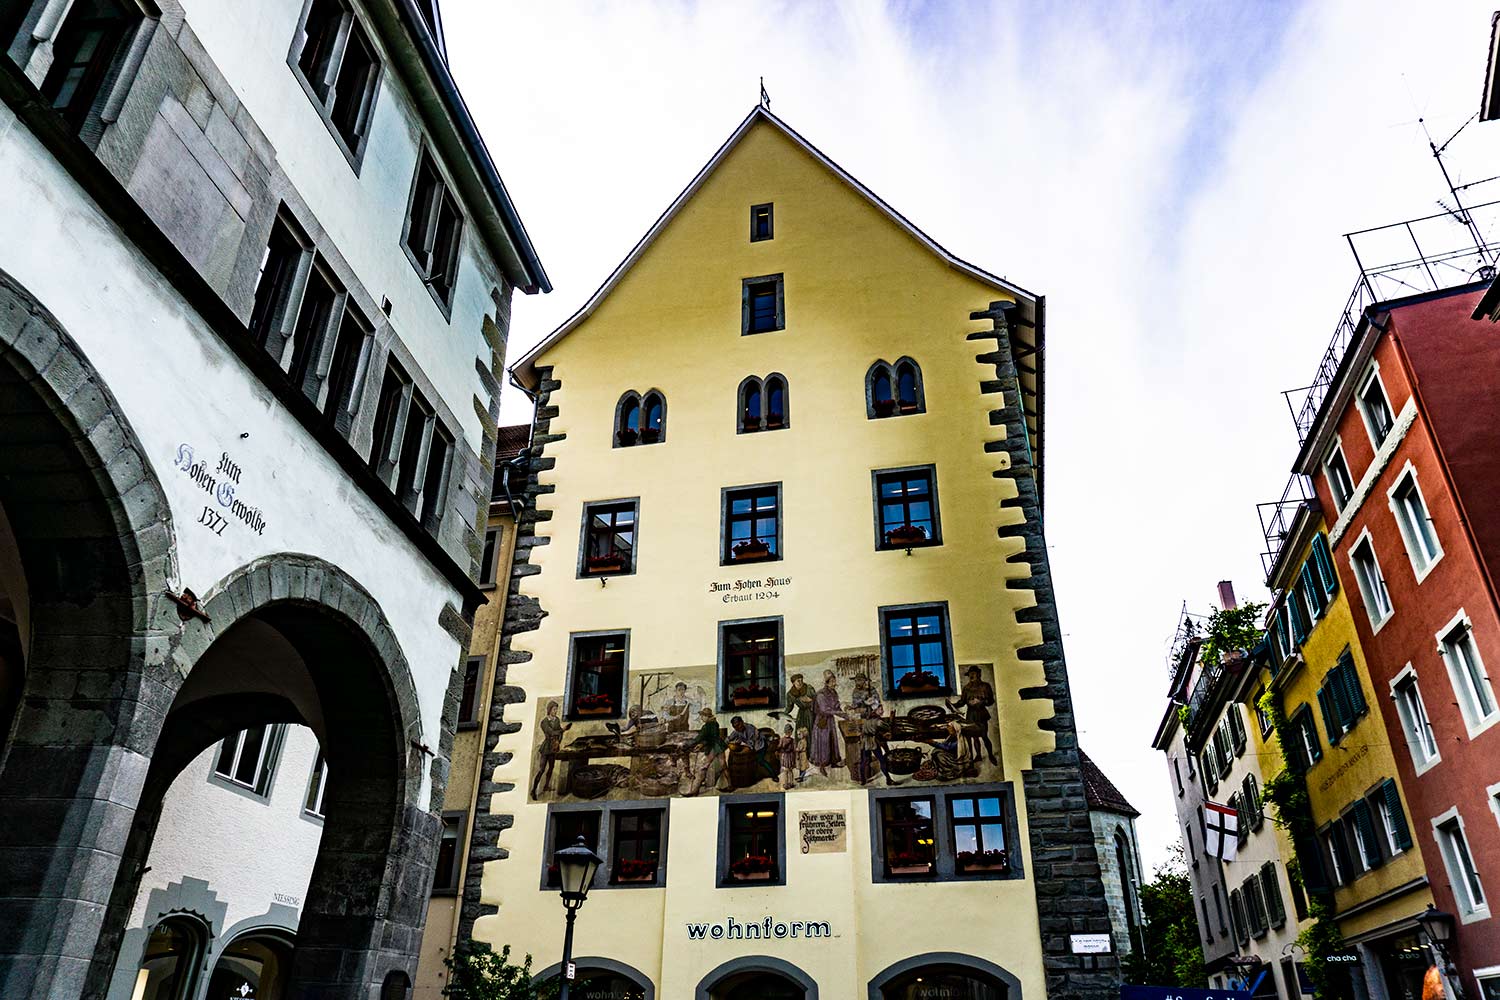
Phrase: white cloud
(1174, 180)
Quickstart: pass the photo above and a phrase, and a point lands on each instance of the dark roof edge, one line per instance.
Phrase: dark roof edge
(437, 67)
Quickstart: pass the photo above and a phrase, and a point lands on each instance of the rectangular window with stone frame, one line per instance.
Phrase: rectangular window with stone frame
(89, 50)
(412, 449)
(334, 59)
(434, 231)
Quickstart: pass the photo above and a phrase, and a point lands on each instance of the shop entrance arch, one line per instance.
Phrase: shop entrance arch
(945, 975)
(757, 977)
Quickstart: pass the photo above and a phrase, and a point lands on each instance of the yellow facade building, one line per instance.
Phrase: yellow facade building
(785, 650)
(1362, 856)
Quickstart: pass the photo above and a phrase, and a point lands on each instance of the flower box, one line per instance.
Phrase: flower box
(906, 407)
(907, 534)
(594, 704)
(750, 551)
(908, 863)
(606, 564)
(775, 421)
(739, 700)
(885, 407)
(753, 868)
(920, 681)
(983, 861)
(626, 437)
(631, 870)
(650, 435)
(750, 422)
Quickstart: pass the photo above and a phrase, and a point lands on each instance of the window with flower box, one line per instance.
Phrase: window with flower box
(608, 547)
(763, 404)
(894, 389)
(751, 524)
(906, 508)
(750, 664)
(566, 827)
(596, 686)
(635, 853)
(629, 835)
(918, 650)
(963, 832)
(752, 842)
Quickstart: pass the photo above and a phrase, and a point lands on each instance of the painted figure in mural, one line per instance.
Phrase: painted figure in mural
(978, 697)
(678, 710)
(866, 706)
(799, 705)
(546, 752)
(708, 749)
(824, 749)
(754, 741)
(786, 749)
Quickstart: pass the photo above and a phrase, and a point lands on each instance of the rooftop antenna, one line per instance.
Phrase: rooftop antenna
(1460, 212)
(765, 97)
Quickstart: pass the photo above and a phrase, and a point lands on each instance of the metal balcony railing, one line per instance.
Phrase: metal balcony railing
(1276, 517)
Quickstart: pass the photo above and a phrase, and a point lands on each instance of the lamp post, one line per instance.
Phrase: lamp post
(575, 867)
(1438, 925)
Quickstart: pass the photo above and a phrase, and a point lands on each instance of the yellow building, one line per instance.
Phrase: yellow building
(794, 670)
(1362, 854)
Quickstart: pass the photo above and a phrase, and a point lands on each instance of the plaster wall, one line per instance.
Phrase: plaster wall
(180, 385)
(857, 289)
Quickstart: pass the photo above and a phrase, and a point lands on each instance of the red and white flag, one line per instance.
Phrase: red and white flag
(1221, 826)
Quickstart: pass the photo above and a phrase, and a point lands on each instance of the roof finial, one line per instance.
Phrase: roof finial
(765, 98)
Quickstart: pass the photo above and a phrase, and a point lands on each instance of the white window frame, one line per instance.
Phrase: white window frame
(264, 775)
(1338, 450)
(1366, 540)
(1480, 975)
(1468, 701)
(1424, 762)
(1387, 822)
(1362, 852)
(1422, 562)
(1469, 909)
(1373, 375)
(317, 779)
(1492, 795)
(1326, 836)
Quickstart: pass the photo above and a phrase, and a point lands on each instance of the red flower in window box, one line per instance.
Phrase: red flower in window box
(775, 421)
(920, 680)
(885, 407)
(907, 534)
(612, 563)
(983, 861)
(750, 421)
(749, 551)
(626, 437)
(750, 696)
(594, 704)
(635, 870)
(650, 435)
(909, 863)
(753, 867)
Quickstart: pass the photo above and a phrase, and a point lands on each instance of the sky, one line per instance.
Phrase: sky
(1175, 178)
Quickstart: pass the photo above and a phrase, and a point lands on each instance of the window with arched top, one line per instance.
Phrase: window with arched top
(640, 419)
(893, 390)
(763, 404)
(169, 965)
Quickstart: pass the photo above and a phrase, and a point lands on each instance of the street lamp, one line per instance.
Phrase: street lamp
(1438, 925)
(575, 867)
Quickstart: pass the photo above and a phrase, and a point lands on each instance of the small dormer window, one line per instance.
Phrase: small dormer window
(761, 222)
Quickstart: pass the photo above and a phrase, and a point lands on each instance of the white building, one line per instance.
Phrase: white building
(252, 306)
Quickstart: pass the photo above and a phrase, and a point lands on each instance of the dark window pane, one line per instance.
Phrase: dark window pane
(468, 701)
(598, 676)
(354, 89)
(313, 319)
(754, 842)
(908, 836)
(83, 55)
(567, 827)
(273, 289)
(445, 876)
(321, 36)
(751, 528)
(343, 372)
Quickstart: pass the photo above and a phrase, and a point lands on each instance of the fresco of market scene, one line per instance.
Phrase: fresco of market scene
(822, 722)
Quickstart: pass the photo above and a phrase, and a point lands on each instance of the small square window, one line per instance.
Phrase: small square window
(908, 837)
(567, 827)
(752, 524)
(750, 664)
(763, 305)
(608, 538)
(752, 844)
(447, 870)
(906, 508)
(636, 850)
(597, 688)
(761, 222)
(468, 701)
(978, 833)
(918, 656)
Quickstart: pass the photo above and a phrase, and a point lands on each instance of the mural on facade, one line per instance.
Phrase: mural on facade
(829, 726)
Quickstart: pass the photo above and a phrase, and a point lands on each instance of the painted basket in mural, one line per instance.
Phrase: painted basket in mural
(904, 760)
(656, 776)
(590, 781)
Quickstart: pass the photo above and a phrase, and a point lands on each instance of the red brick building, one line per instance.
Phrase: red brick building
(1402, 441)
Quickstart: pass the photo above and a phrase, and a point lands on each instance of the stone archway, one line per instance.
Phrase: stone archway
(90, 558)
(293, 639)
(959, 975)
(749, 975)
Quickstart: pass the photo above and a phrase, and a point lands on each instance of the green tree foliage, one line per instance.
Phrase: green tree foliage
(477, 973)
(1229, 629)
(1171, 955)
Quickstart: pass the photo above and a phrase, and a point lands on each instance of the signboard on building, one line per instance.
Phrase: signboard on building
(823, 832)
(1089, 944)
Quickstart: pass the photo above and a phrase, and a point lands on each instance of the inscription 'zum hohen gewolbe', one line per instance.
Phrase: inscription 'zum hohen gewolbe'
(221, 485)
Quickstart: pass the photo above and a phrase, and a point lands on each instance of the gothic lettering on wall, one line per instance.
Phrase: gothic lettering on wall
(224, 506)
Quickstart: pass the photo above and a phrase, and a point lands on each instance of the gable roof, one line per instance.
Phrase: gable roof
(1101, 793)
(1026, 336)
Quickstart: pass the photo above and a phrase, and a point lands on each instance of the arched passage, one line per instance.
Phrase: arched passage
(292, 639)
(757, 977)
(86, 558)
(945, 974)
(603, 979)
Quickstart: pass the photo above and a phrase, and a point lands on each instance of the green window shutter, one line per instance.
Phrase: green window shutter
(1353, 693)
(1400, 832)
(1271, 888)
(1324, 559)
(1237, 915)
(1313, 589)
(1311, 729)
(1237, 729)
(1299, 627)
(1331, 721)
(1366, 824)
